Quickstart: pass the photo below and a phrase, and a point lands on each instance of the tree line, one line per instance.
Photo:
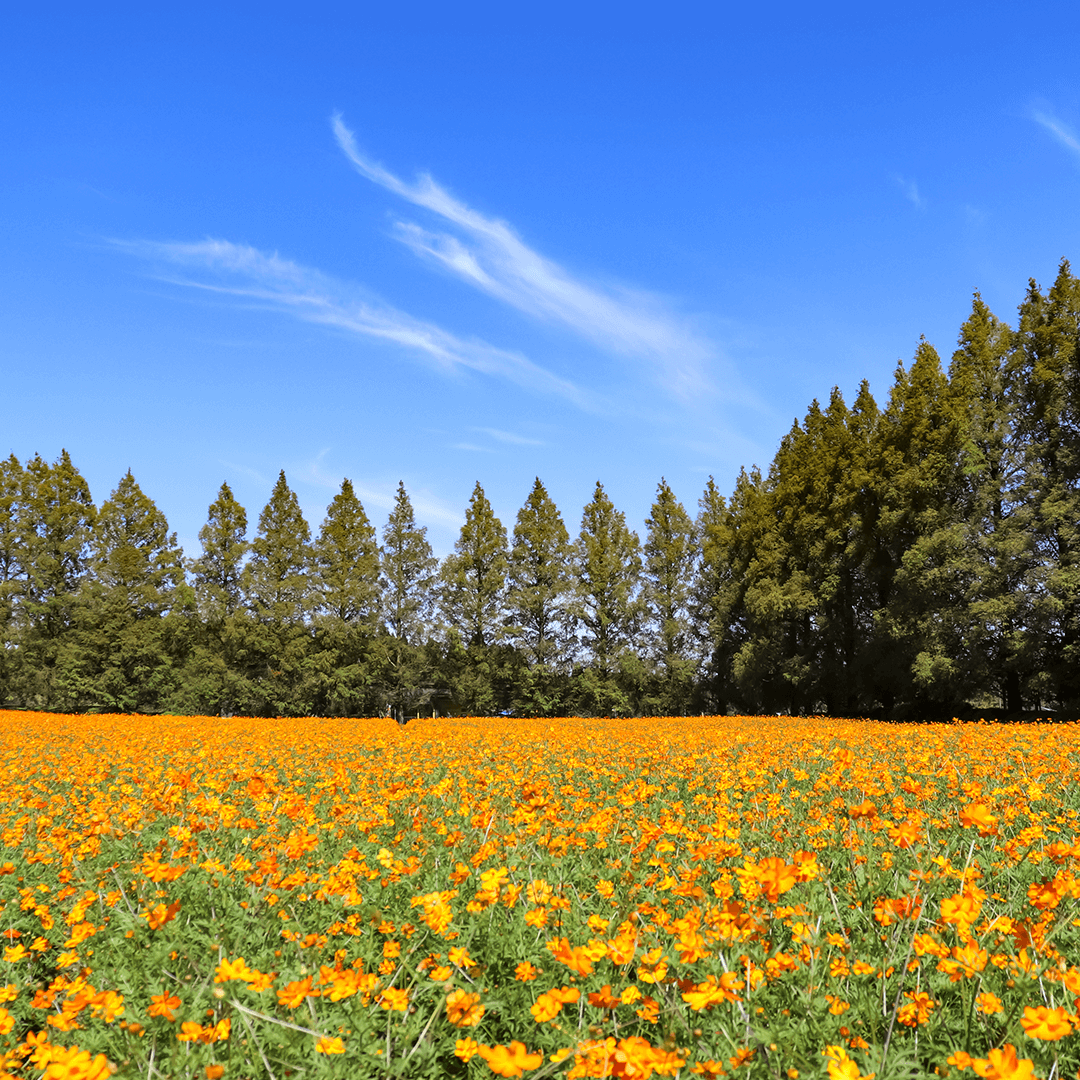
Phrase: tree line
(898, 561)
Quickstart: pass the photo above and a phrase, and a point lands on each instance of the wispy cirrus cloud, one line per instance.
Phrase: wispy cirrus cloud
(1064, 135)
(487, 254)
(242, 271)
(911, 193)
(509, 437)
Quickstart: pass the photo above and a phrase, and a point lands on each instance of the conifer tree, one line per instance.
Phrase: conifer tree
(218, 572)
(408, 572)
(136, 560)
(473, 584)
(714, 598)
(409, 582)
(56, 518)
(122, 660)
(984, 615)
(538, 580)
(11, 566)
(670, 561)
(607, 573)
(347, 561)
(58, 514)
(277, 579)
(1047, 365)
(917, 480)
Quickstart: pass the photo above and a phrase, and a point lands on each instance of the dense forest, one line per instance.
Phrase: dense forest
(898, 561)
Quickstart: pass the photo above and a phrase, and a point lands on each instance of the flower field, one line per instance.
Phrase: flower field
(745, 897)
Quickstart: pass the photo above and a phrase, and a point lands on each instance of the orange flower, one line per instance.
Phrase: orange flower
(512, 1060)
(604, 999)
(233, 969)
(713, 991)
(460, 957)
(775, 877)
(978, 814)
(394, 1000)
(989, 1004)
(75, 1064)
(160, 915)
(164, 1005)
(1003, 1065)
(526, 972)
(466, 1049)
(296, 993)
(464, 1009)
(327, 1045)
(550, 1004)
(1046, 1024)
(577, 960)
(653, 966)
(842, 1066)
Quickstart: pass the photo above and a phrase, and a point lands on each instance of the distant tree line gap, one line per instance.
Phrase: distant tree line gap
(914, 561)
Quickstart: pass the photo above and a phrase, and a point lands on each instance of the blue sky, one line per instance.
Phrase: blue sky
(449, 243)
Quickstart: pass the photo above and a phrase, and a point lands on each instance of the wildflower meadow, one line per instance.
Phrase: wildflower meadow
(717, 896)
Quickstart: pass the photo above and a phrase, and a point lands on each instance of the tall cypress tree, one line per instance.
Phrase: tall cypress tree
(409, 586)
(539, 582)
(12, 570)
(123, 661)
(1047, 365)
(715, 594)
(917, 474)
(57, 516)
(607, 573)
(986, 618)
(408, 573)
(218, 571)
(345, 657)
(277, 580)
(670, 562)
(474, 576)
(347, 561)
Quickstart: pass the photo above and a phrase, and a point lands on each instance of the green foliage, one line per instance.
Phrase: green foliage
(539, 583)
(347, 562)
(473, 578)
(277, 581)
(218, 573)
(607, 571)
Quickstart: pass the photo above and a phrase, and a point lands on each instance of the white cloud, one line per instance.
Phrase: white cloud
(490, 256)
(509, 437)
(1063, 134)
(911, 192)
(315, 297)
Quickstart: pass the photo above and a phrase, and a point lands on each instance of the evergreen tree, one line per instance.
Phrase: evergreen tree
(408, 572)
(344, 662)
(215, 679)
(12, 483)
(539, 581)
(670, 562)
(1047, 365)
(474, 576)
(277, 579)
(347, 561)
(607, 603)
(539, 588)
(917, 476)
(408, 583)
(714, 598)
(984, 615)
(122, 656)
(218, 572)
(57, 516)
